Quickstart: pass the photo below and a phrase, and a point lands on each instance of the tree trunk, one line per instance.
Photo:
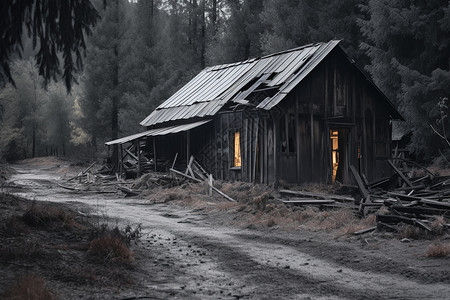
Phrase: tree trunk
(214, 14)
(115, 96)
(194, 25)
(203, 48)
(33, 154)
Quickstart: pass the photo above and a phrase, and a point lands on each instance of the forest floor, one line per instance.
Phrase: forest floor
(194, 246)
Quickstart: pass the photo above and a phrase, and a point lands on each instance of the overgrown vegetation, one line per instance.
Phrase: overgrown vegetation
(48, 237)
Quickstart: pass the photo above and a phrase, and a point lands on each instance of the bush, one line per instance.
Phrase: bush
(30, 287)
(438, 249)
(110, 249)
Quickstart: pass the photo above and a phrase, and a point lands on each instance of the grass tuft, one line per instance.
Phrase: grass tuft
(438, 249)
(110, 248)
(410, 232)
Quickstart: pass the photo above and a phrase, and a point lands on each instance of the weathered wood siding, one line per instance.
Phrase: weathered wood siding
(291, 143)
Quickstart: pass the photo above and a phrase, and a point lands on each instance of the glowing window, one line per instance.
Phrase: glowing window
(237, 150)
(334, 135)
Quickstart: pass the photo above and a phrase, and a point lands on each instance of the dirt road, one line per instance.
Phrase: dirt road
(187, 254)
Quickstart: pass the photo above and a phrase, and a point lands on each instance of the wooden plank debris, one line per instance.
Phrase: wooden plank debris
(304, 201)
(400, 173)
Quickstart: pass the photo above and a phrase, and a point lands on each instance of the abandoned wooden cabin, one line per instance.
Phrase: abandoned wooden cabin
(301, 115)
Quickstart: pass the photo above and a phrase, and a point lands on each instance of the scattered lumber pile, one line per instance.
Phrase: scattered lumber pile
(417, 201)
(195, 172)
(318, 199)
(406, 199)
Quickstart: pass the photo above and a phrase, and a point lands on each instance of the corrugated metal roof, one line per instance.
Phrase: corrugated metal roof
(157, 131)
(213, 87)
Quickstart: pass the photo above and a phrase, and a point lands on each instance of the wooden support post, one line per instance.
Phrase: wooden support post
(275, 151)
(221, 148)
(262, 151)
(138, 148)
(210, 179)
(266, 151)
(189, 167)
(297, 139)
(245, 154)
(255, 149)
(312, 140)
(188, 144)
(154, 152)
(174, 160)
(120, 160)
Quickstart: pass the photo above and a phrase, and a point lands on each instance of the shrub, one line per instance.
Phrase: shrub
(410, 232)
(438, 249)
(439, 225)
(110, 249)
(30, 287)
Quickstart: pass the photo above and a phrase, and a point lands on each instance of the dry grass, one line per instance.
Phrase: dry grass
(110, 249)
(30, 287)
(439, 225)
(438, 249)
(410, 232)
(44, 215)
(256, 207)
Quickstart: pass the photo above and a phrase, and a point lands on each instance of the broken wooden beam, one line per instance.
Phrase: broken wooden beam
(83, 172)
(185, 175)
(400, 173)
(221, 193)
(316, 195)
(394, 219)
(365, 230)
(359, 182)
(303, 201)
(128, 192)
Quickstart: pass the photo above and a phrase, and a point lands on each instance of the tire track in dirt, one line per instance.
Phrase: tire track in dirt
(182, 255)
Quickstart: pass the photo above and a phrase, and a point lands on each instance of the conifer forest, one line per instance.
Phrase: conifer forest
(136, 54)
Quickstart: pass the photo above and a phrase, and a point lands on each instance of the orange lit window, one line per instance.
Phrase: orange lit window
(237, 150)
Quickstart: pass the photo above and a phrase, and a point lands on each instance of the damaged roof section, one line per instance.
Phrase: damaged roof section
(215, 86)
(260, 82)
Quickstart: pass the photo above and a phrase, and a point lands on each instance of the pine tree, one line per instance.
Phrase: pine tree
(408, 45)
